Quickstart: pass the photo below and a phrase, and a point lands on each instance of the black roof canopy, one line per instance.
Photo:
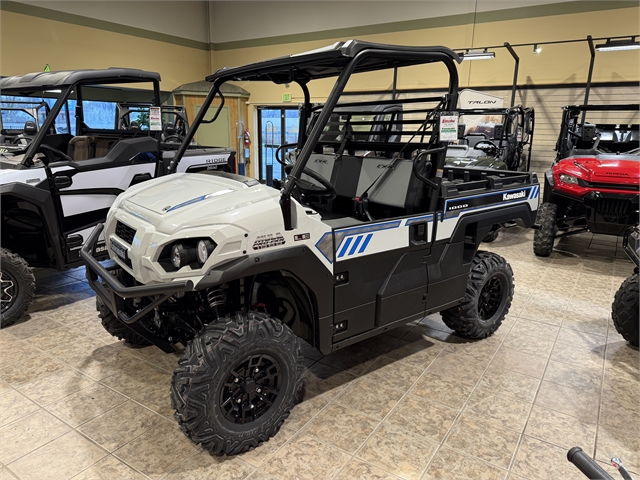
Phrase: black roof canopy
(330, 62)
(39, 80)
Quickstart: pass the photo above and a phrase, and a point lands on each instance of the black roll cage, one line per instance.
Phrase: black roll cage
(570, 123)
(340, 60)
(66, 92)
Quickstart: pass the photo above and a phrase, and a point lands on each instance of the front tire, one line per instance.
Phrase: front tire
(236, 382)
(624, 310)
(487, 300)
(116, 328)
(543, 237)
(18, 287)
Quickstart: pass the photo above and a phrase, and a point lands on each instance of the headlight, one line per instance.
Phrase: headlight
(568, 179)
(178, 256)
(193, 252)
(204, 248)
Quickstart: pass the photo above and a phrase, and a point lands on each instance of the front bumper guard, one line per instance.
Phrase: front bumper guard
(113, 296)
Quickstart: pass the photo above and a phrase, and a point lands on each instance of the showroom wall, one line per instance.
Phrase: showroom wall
(278, 28)
(170, 37)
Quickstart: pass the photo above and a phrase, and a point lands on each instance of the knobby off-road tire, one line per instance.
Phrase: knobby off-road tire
(18, 287)
(624, 310)
(116, 328)
(487, 300)
(543, 237)
(236, 382)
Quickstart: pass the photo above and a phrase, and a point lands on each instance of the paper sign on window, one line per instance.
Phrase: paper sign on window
(449, 127)
(155, 118)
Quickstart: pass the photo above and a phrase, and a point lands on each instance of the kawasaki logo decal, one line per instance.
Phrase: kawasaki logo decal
(514, 196)
(453, 206)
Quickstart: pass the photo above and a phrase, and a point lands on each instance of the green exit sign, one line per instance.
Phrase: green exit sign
(286, 97)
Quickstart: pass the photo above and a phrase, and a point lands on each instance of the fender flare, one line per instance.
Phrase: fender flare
(42, 199)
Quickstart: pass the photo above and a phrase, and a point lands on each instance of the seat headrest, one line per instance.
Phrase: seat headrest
(135, 125)
(30, 128)
(169, 128)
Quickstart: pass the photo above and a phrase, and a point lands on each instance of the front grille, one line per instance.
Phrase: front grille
(125, 232)
(616, 186)
(613, 207)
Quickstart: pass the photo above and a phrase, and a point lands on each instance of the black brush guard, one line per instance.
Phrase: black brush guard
(113, 293)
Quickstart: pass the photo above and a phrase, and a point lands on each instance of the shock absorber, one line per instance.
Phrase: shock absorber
(217, 298)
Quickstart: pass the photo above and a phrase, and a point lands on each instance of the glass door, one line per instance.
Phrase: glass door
(278, 127)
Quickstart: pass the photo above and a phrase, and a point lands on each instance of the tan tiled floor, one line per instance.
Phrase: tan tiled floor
(418, 403)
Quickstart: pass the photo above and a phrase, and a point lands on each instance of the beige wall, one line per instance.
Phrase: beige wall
(559, 63)
(29, 43)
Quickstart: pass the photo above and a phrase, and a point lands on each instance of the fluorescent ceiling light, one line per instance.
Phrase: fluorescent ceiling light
(478, 55)
(613, 45)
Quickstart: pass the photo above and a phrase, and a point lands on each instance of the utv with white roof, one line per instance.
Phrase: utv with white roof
(63, 168)
(348, 247)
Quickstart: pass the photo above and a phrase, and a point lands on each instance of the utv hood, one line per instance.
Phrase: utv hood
(616, 169)
(179, 193)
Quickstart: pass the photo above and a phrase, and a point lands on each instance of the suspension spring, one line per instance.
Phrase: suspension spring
(217, 296)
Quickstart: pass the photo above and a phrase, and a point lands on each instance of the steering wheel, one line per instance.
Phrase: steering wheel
(488, 147)
(177, 137)
(281, 148)
(309, 189)
(49, 151)
(17, 140)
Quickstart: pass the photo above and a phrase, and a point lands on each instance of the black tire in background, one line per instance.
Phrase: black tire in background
(624, 310)
(543, 237)
(487, 299)
(492, 235)
(116, 328)
(18, 287)
(236, 382)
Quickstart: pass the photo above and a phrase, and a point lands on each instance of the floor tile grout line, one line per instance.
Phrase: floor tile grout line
(392, 410)
(446, 436)
(533, 403)
(602, 379)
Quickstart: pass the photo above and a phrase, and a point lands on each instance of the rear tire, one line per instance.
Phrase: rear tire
(18, 287)
(544, 236)
(236, 382)
(624, 310)
(487, 300)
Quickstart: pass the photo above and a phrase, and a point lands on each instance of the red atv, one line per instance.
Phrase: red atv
(594, 182)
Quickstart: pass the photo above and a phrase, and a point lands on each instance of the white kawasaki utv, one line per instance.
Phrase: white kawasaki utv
(368, 232)
(65, 155)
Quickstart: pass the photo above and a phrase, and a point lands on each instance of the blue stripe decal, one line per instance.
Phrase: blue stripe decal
(346, 246)
(355, 244)
(366, 242)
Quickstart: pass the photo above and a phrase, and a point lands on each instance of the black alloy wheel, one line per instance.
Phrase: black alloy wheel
(252, 387)
(9, 291)
(17, 287)
(491, 297)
